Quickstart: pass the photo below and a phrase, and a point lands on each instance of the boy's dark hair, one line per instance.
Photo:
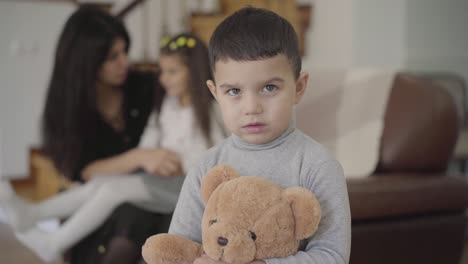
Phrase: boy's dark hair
(252, 34)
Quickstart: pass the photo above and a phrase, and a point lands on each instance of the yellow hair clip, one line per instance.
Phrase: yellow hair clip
(164, 41)
(191, 42)
(172, 45)
(181, 41)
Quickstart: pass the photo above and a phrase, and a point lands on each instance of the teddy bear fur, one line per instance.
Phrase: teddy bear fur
(245, 218)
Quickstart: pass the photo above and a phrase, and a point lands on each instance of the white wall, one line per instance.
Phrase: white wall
(437, 35)
(330, 39)
(418, 35)
(379, 33)
(28, 36)
(357, 33)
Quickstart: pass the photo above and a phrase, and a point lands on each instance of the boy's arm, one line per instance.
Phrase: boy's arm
(187, 217)
(332, 241)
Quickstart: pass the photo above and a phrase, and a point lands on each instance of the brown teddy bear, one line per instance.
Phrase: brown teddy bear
(245, 218)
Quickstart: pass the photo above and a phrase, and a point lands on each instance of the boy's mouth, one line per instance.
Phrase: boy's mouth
(255, 127)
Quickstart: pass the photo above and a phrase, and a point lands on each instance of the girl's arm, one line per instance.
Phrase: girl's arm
(153, 161)
(120, 164)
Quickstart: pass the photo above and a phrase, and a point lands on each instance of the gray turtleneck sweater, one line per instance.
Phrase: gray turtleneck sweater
(293, 159)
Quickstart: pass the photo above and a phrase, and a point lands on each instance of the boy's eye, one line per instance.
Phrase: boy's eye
(233, 91)
(269, 88)
(213, 221)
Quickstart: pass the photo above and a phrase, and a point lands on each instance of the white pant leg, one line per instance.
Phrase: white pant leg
(66, 203)
(98, 207)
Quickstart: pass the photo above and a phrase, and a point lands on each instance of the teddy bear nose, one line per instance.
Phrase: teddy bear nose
(222, 241)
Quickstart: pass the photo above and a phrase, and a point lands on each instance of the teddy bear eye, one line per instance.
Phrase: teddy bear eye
(213, 221)
(253, 235)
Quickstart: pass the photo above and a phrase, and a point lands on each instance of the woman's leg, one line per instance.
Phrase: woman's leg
(89, 216)
(23, 215)
(125, 230)
(99, 207)
(122, 251)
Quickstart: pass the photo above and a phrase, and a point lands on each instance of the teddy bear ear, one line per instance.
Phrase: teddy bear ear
(306, 210)
(217, 175)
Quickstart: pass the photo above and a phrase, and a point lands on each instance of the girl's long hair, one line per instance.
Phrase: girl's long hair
(70, 115)
(194, 54)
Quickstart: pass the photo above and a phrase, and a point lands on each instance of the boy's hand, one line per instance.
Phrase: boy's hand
(207, 260)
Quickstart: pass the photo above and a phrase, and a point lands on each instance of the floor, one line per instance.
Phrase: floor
(11, 251)
(465, 255)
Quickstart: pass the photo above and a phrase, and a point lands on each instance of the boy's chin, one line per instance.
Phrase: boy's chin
(257, 139)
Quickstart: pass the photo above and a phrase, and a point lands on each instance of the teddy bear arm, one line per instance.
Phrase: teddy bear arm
(170, 249)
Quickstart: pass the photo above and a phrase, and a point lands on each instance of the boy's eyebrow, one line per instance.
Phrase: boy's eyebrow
(274, 79)
(227, 85)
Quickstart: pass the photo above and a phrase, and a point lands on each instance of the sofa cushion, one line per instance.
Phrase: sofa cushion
(344, 110)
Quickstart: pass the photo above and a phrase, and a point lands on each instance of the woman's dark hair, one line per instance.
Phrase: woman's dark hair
(194, 54)
(70, 115)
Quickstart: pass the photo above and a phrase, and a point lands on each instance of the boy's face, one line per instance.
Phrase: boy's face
(257, 97)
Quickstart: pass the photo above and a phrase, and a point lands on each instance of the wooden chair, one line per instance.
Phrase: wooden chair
(43, 180)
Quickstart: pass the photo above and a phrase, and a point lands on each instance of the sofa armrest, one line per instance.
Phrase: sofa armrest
(394, 195)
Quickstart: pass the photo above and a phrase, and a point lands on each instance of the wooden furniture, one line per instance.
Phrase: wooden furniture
(44, 180)
(298, 15)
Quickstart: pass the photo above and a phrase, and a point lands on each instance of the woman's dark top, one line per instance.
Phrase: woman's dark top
(142, 95)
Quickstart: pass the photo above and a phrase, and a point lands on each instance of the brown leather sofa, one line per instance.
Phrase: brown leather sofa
(410, 210)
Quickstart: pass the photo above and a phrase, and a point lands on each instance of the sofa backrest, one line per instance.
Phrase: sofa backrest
(420, 128)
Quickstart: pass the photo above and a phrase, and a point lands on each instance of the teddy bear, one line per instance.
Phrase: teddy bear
(245, 218)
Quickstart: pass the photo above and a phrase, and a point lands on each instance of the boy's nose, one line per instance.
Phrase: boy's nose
(252, 106)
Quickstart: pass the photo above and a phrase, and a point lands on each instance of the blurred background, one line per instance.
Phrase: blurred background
(418, 35)
(421, 43)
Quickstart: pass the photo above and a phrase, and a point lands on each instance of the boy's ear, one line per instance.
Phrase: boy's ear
(212, 88)
(301, 86)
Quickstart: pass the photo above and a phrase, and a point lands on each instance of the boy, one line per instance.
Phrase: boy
(255, 59)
